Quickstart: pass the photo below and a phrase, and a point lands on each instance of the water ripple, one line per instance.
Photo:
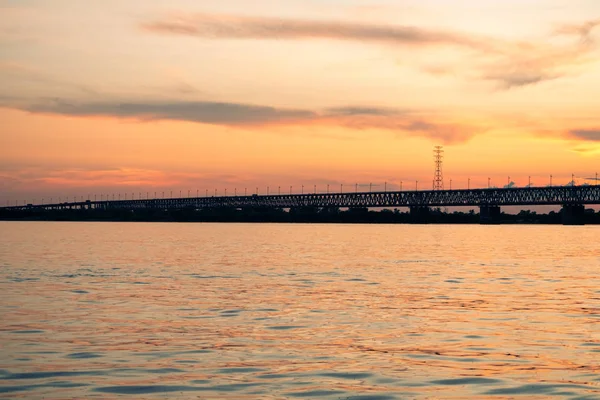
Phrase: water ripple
(298, 311)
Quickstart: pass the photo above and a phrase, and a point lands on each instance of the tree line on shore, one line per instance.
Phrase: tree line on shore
(303, 215)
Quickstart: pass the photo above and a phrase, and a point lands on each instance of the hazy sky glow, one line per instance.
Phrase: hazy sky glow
(157, 96)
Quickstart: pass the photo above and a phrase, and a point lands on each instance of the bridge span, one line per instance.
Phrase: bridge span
(572, 198)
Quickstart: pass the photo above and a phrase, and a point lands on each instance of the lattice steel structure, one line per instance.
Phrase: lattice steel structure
(557, 195)
(438, 177)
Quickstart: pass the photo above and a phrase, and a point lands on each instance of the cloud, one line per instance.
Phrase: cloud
(518, 78)
(122, 182)
(587, 150)
(353, 110)
(219, 26)
(586, 134)
(194, 111)
(528, 64)
(23, 76)
(411, 122)
(583, 30)
(510, 64)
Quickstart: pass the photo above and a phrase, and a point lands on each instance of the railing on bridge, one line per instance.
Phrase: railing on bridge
(557, 195)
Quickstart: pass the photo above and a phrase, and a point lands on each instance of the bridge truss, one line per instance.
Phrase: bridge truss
(557, 195)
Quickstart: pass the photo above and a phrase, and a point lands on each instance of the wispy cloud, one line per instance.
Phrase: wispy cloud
(525, 64)
(587, 150)
(23, 76)
(586, 134)
(194, 111)
(407, 122)
(103, 181)
(219, 26)
(510, 64)
(583, 30)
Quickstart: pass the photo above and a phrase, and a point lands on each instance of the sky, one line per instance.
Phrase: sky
(150, 97)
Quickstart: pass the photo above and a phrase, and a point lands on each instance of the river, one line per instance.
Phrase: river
(271, 311)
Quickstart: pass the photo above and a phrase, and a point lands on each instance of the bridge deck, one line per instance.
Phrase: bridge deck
(557, 195)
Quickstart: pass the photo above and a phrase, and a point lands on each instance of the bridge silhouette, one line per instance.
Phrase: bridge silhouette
(572, 199)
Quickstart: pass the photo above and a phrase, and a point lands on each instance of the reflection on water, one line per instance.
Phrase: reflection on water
(298, 311)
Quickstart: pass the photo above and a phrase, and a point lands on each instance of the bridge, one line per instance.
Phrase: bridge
(572, 198)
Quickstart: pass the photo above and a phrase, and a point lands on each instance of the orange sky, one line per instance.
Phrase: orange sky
(141, 97)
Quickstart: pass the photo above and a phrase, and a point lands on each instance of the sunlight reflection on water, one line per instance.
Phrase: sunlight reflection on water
(298, 311)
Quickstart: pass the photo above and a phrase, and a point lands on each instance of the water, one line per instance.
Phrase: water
(298, 311)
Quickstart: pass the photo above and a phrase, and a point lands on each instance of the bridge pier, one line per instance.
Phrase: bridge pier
(420, 215)
(573, 214)
(489, 215)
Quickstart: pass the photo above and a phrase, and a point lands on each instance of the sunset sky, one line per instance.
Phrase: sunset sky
(129, 96)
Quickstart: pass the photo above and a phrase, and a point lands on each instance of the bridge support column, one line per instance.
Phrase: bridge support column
(420, 215)
(489, 215)
(573, 214)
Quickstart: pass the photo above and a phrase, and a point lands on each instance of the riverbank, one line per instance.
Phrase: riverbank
(309, 215)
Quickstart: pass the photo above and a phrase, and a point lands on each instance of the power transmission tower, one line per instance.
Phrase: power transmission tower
(438, 179)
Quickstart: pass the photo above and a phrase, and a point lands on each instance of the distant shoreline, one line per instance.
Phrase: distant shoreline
(352, 216)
